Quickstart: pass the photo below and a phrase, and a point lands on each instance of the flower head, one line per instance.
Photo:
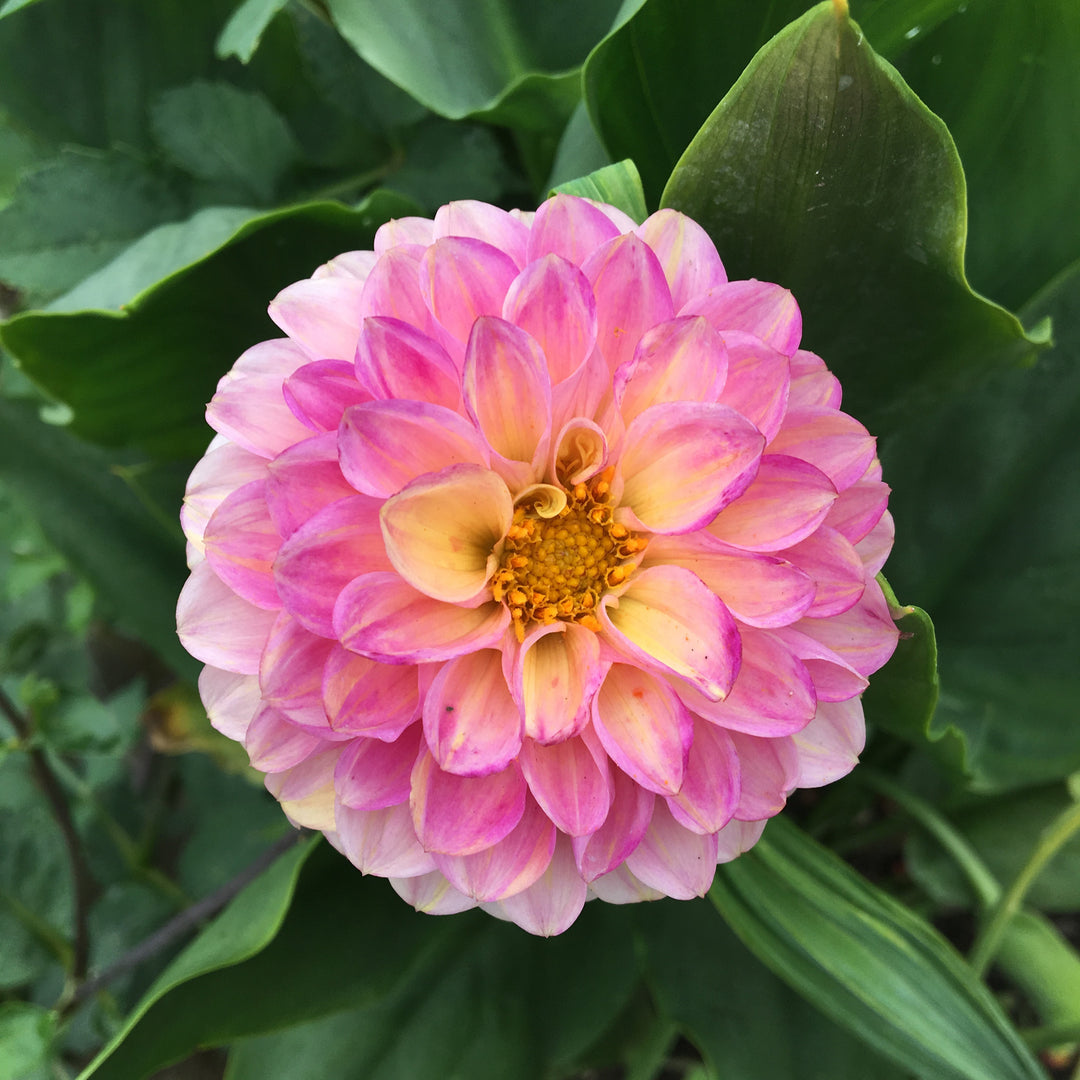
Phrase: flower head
(537, 561)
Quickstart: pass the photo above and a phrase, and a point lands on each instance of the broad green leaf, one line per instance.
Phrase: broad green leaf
(26, 1032)
(747, 1024)
(512, 60)
(194, 324)
(580, 151)
(617, 184)
(11, 6)
(822, 171)
(868, 962)
(240, 35)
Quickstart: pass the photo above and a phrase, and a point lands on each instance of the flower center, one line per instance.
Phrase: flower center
(558, 567)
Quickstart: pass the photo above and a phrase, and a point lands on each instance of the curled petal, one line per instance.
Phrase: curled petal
(382, 842)
(758, 381)
(836, 570)
(216, 476)
(864, 636)
(322, 315)
(393, 290)
(760, 308)
(551, 904)
(579, 453)
(569, 227)
(834, 678)
(274, 744)
(291, 672)
(834, 442)
(372, 774)
(672, 859)
(432, 894)
(600, 852)
(711, 785)
(481, 221)
(320, 392)
(304, 479)
(859, 509)
(364, 697)
(571, 781)
(231, 700)
(686, 252)
(462, 279)
(769, 769)
(830, 745)
(395, 360)
(241, 544)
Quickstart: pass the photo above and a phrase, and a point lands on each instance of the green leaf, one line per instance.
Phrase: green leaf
(217, 132)
(580, 151)
(240, 35)
(194, 324)
(618, 184)
(822, 171)
(513, 61)
(869, 963)
(26, 1032)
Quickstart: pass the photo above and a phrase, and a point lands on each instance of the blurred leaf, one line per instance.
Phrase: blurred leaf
(869, 963)
(822, 171)
(26, 1032)
(240, 35)
(514, 61)
(580, 152)
(618, 184)
(11, 6)
(745, 1021)
(194, 324)
(1043, 963)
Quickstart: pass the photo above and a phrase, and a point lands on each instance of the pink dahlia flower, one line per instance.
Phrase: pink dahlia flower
(536, 562)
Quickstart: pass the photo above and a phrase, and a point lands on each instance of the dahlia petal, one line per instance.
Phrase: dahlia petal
(786, 501)
(737, 837)
(834, 442)
(432, 894)
(354, 264)
(710, 790)
(506, 388)
(462, 279)
(291, 672)
(760, 308)
(759, 590)
(668, 617)
(320, 392)
(773, 693)
(632, 295)
(552, 903)
(552, 301)
(321, 315)
(569, 227)
(579, 453)
(812, 383)
(680, 360)
(864, 636)
(231, 701)
(393, 288)
(241, 543)
(441, 531)
(672, 859)
(571, 781)
(460, 815)
(686, 253)
(758, 382)
(875, 546)
(830, 745)
(471, 723)
(382, 842)
(383, 445)
(510, 865)
(251, 411)
(218, 627)
(644, 727)
(279, 357)
(371, 774)
(314, 775)
(406, 230)
(600, 852)
(304, 479)
(834, 678)
(555, 675)
(859, 509)
(835, 567)
(274, 744)
(619, 886)
(482, 221)
(684, 462)
(216, 476)
(314, 811)
(395, 360)
(338, 543)
(769, 770)
(364, 697)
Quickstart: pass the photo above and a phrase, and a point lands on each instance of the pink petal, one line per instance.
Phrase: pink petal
(569, 227)
(571, 781)
(230, 700)
(273, 744)
(760, 308)
(395, 360)
(241, 545)
(835, 567)
(812, 383)
(304, 479)
(384, 618)
(462, 279)
(442, 529)
(552, 300)
(216, 476)
(340, 542)
(393, 289)
(680, 360)
(736, 837)
(312, 776)
(787, 500)
(320, 392)
(687, 254)
(385, 444)
(760, 590)
(632, 295)
(830, 745)
(874, 548)
(859, 509)
(628, 817)
(460, 815)
(432, 894)
(218, 627)
(510, 865)
(834, 678)
(672, 859)
(556, 673)
(291, 672)
(757, 382)
(684, 462)
(471, 722)
(667, 617)
(321, 315)
(619, 886)
(832, 441)
(364, 697)
(552, 903)
(406, 230)
(278, 357)
(644, 727)
(769, 769)
(372, 774)
(579, 453)
(354, 264)
(710, 790)
(382, 842)
(482, 221)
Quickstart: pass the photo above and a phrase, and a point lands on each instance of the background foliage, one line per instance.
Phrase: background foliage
(913, 176)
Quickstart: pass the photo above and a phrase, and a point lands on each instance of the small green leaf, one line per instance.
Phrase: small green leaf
(240, 35)
(869, 963)
(618, 184)
(26, 1032)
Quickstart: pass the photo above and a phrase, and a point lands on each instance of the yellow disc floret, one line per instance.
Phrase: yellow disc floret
(558, 567)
